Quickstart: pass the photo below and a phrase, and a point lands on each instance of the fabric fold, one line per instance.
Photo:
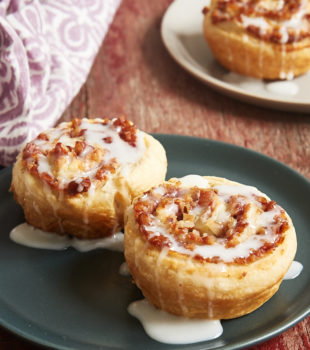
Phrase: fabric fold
(47, 48)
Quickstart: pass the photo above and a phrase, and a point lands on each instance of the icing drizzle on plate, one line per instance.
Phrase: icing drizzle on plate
(30, 236)
(158, 324)
(76, 156)
(230, 223)
(171, 329)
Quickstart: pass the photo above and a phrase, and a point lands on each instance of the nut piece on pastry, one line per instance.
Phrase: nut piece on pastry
(262, 38)
(207, 247)
(79, 177)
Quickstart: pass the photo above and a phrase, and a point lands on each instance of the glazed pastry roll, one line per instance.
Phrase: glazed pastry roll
(207, 247)
(263, 38)
(79, 177)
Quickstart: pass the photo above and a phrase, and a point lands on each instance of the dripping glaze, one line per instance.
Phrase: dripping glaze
(158, 324)
(170, 329)
(89, 149)
(262, 222)
(278, 31)
(277, 21)
(30, 236)
(76, 167)
(154, 320)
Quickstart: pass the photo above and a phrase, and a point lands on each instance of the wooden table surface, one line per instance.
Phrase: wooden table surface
(134, 74)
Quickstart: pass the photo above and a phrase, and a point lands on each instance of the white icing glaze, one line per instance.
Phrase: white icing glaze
(78, 167)
(229, 50)
(88, 202)
(286, 88)
(94, 135)
(280, 4)
(283, 60)
(242, 81)
(38, 211)
(171, 209)
(183, 307)
(171, 329)
(124, 269)
(258, 22)
(161, 256)
(260, 58)
(256, 218)
(114, 242)
(245, 39)
(54, 205)
(194, 180)
(159, 190)
(44, 166)
(118, 149)
(266, 219)
(30, 236)
(294, 270)
(241, 250)
(295, 22)
(231, 190)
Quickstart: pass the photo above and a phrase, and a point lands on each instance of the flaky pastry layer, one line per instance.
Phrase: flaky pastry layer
(85, 212)
(184, 285)
(248, 50)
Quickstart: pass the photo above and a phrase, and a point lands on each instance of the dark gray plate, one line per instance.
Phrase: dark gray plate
(72, 300)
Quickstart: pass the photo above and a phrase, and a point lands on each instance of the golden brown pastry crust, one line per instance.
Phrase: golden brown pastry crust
(249, 49)
(195, 287)
(95, 208)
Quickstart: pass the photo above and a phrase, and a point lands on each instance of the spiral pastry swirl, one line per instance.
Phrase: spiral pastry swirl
(79, 177)
(208, 247)
(260, 38)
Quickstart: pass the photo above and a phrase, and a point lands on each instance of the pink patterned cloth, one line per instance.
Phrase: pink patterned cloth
(46, 50)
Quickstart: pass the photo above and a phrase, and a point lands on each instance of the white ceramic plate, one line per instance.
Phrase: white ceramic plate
(182, 35)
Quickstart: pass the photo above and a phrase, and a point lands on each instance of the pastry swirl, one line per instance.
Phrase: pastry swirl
(260, 38)
(79, 177)
(215, 249)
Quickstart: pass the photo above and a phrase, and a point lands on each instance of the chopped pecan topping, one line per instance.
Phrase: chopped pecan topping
(59, 150)
(43, 136)
(79, 147)
(205, 10)
(206, 198)
(62, 156)
(76, 131)
(234, 10)
(186, 216)
(50, 180)
(31, 150)
(75, 187)
(127, 130)
(76, 122)
(107, 139)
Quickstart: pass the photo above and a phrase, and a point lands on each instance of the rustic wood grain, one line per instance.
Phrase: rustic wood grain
(134, 74)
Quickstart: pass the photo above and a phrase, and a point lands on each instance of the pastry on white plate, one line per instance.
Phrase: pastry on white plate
(264, 38)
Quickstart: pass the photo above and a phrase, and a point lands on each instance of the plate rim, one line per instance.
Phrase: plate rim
(237, 147)
(250, 341)
(221, 86)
